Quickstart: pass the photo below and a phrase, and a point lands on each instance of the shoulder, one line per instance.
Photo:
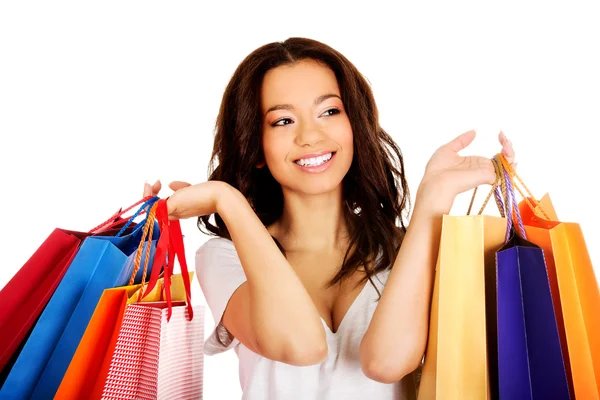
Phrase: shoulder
(218, 268)
(217, 255)
(215, 244)
(215, 247)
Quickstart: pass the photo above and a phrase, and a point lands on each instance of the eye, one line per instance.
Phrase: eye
(282, 122)
(331, 111)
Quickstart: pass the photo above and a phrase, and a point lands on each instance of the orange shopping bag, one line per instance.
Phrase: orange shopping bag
(98, 340)
(574, 290)
(88, 369)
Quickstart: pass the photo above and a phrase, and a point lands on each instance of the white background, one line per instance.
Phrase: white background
(96, 98)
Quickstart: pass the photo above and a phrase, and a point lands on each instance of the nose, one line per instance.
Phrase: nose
(309, 134)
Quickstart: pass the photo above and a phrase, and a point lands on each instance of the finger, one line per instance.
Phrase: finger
(477, 171)
(462, 141)
(502, 138)
(156, 188)
(487, 172)
(507, 149)
(147, 190)
(176, 185)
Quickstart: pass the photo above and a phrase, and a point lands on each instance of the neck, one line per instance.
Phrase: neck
(312, 222)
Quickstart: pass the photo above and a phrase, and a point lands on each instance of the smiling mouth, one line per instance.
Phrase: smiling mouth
(315, 161)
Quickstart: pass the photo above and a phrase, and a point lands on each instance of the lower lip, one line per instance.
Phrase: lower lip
(318, 168)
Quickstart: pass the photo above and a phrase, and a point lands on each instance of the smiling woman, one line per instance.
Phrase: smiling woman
(309, 198)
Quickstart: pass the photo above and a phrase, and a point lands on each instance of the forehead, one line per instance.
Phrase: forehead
(297, 83)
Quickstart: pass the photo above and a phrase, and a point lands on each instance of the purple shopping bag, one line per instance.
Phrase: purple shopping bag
(530, 359)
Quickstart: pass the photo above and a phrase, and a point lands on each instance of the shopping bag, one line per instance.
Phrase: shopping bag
(24, 297)
(574, 290)
(88, 369)
(101, 262)
(574, 287)
(159, 351)
(530, 360)
(457, 356)
(155, 358)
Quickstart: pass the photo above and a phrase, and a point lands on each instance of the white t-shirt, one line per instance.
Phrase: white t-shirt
(339, 376)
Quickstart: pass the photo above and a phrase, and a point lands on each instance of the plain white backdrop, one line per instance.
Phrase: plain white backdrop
(96, 98)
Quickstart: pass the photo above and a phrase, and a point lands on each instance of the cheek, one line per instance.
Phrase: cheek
(346, 141)
(346, 137)
(274, 148)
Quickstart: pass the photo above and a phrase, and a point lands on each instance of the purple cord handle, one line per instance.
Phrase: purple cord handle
(509, 222)
(511, 194)
(510, 204)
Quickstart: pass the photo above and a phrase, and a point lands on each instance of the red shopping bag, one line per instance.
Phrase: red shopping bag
(27, 293)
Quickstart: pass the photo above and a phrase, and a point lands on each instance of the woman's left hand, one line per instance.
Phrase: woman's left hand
(448, 174)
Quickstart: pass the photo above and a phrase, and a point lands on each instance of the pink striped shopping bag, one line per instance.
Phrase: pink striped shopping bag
(155, 358)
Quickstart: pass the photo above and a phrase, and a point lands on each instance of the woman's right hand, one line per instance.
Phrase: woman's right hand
(188, 200)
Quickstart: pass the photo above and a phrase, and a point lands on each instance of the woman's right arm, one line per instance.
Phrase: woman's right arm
(271, 313)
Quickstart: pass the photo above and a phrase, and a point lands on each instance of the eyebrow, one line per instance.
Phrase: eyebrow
(317, 101)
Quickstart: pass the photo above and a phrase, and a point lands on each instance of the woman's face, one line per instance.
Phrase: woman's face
(307, 139)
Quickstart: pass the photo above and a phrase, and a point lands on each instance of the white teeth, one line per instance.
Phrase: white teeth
(315, 161)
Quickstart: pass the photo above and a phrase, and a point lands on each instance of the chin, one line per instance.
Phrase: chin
(314, 187)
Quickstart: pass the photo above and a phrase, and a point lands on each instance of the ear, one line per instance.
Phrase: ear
(260, 164)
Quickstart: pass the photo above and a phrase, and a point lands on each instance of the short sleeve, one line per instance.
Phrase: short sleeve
(219, 273)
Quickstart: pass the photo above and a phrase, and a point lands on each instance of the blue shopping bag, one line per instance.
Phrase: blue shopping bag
(102, 262)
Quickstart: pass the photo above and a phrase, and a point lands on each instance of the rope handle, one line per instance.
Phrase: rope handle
(148, 231)
(494, 191)
(147, 205)
(504, 193)
(114, 219)
(510, 202)
(534, 204)
(169, 246)
(531, 200)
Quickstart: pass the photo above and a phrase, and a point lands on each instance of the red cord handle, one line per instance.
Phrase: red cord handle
(170, 245)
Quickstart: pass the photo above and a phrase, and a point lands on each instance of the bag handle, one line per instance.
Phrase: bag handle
(169, 246)
(515, 178)
(504, 194)
(494, 191)
(510, 202)
(148, 231)
(147, 205)
(114, 219)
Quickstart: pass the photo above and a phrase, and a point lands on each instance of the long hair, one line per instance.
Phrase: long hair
(375, 191)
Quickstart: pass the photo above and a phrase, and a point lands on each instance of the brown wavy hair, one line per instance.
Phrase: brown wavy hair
(375, 190)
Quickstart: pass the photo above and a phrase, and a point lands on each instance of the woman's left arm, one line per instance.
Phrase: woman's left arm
(395, 341)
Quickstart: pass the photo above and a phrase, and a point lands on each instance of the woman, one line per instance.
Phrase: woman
(314, 278)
